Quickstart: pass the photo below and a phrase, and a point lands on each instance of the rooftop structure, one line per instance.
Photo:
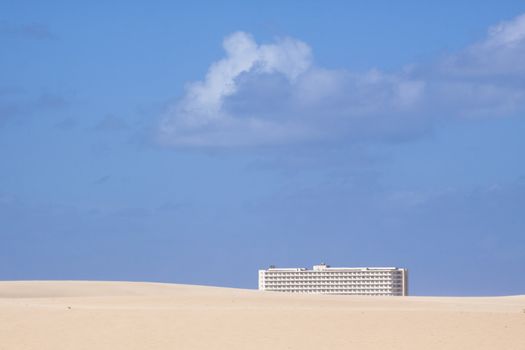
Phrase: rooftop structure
(323, 279)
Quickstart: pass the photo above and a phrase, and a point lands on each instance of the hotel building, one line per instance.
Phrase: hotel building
(323, 279)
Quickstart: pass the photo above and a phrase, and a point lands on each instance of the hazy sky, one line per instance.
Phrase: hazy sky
(197, 142)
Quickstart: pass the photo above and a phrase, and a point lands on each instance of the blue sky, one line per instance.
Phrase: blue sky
(199, 142)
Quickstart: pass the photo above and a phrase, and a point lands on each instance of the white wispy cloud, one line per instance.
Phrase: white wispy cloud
(502, 52)
(486, 78)
(267, 94)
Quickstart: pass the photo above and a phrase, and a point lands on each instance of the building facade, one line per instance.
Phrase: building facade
(323, 279)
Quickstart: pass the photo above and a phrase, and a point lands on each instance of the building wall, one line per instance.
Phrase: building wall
(323, 279)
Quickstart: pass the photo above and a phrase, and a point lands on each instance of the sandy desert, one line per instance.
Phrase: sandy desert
(128, 315)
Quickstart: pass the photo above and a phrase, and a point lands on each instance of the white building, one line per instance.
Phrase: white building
(323, 279)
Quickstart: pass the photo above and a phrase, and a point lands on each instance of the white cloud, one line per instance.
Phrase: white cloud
(507, 34)
(485, 79)
(199, 118)
(502, 52)
(265, 94)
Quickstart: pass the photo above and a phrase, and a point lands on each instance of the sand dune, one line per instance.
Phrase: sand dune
(122, 315)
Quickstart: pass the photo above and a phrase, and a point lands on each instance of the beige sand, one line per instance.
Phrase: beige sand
(120, 315)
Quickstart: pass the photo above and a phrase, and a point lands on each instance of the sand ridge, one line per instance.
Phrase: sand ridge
(129, 315)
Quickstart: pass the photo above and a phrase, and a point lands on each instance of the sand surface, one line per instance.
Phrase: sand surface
(122, 315)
